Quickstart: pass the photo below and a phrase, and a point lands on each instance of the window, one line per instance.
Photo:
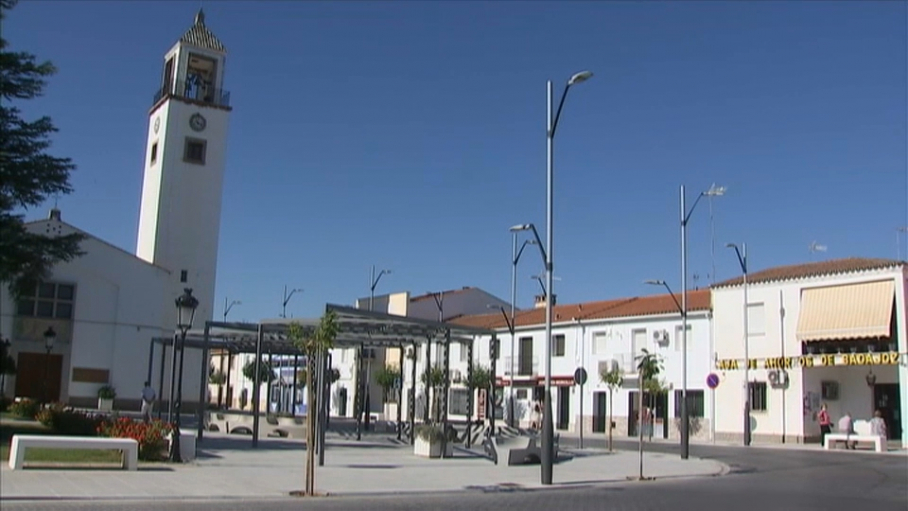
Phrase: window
(758, 396)
(638, 340)
(154, 153)
(756, 319)
(184, 275)
(459, 404)
(679, 340)
(47, 300)
(558, 345)
(521, 393)
(599, 343)
(464, 353)
(695, 403)
(525, 357)
(195, 151)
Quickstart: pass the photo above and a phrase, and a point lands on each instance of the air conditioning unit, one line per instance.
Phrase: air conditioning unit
(778, 378)
(660, 336)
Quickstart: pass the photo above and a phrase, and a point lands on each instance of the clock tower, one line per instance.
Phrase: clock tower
(180, 216)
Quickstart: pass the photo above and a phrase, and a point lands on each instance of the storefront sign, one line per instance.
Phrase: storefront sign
(806, 361)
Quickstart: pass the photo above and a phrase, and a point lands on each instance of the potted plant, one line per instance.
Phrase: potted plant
(106, 396)
(429, 440)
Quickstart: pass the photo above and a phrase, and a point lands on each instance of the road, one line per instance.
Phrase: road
(760, 480)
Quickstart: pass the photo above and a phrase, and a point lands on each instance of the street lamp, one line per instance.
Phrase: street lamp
(287, 299)
(742, 260)
(373, 283)
(685, 218)
(515, 257)
(229, 306)
(186, 306)
(493, 358)
(548, 427)
(714, 191)
(50, 336)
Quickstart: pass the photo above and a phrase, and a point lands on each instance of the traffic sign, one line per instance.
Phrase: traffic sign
(580, 376)
(712, 381)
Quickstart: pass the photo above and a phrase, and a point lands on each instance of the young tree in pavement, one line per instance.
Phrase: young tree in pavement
(313, 343)
(649, 366)
(613, 378)
(29, 175)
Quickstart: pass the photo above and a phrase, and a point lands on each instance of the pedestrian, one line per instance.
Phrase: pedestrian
(878, 426)
(148, 397)
(846, 426)
(825, 423)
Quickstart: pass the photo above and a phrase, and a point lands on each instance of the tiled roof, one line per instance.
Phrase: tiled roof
(697, 300)
(817, 269)
(199, 35)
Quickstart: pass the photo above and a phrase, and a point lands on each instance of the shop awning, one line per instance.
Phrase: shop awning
(855, 311)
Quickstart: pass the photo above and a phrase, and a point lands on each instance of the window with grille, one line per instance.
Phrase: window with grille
(195, 151)
(758, 396)
(695, 403)
(47, 300)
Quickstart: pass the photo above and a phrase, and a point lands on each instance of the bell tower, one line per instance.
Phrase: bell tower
(180, 216)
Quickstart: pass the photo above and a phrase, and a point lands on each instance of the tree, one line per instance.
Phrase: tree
(613, 378)
(387, 376)
(314, 343)
(436, 384)
(266, 372)
(649, 366)
(28, 173)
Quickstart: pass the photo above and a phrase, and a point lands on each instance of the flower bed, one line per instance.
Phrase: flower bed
(152, 437)
(67, 421)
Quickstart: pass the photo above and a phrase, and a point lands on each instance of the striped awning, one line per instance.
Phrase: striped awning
(855, 311)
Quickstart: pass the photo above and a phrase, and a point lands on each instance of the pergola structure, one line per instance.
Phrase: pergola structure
(357, 328)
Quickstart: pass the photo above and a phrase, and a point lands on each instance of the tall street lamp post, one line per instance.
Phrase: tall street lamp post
(742, 260)
(373, 283)
(50, 336)
(685, 217)
(229, 306)
(515, 257)
(287, 299)
(186, 306)
(548, 427)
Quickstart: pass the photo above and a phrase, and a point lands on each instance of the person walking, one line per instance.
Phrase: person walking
(846, 426)
(825, 423)
(148, 397)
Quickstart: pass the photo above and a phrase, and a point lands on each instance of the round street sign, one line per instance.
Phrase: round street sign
(712, 381)
(580, 376)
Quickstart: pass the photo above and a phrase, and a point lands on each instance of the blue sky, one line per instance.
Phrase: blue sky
(411, 135)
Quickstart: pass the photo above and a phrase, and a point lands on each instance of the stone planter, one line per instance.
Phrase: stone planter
(105, 405)
(429, 449)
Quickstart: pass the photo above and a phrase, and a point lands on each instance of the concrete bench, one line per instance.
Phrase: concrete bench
(862, 433)
(128, 446)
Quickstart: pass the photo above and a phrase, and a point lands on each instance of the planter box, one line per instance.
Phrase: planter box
(105, 405)
(430, 449)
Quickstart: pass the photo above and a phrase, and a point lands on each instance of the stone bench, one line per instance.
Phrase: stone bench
(862, 433)
(128, 446)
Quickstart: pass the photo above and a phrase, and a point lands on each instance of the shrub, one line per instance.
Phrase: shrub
(25, 408)
(69, 422)
(152, 437)
(434, 433)
(107, 392)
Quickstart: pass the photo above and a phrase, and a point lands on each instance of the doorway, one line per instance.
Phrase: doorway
(564, 408)
(886, 400)
(600, 411)
(31, 381)
(656, 421)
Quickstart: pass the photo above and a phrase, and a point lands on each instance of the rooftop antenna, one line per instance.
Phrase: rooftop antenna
(815, 247)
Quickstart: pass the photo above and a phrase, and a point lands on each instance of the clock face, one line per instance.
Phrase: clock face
(197, 122)
(157, 124)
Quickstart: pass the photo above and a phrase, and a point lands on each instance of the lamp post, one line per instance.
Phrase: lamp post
(685, 218)
(515, 257)
(186, 306)
(548, 427)
(50, 336)
(373, 283)
(229, 306)
(742, 259)
(287, 299)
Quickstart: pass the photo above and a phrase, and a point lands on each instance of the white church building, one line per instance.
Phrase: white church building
(105, 307)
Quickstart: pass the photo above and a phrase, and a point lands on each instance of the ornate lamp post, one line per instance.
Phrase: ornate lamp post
(186, 306)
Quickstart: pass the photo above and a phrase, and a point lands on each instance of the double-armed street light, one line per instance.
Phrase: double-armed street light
(742, 260)
(287, 299)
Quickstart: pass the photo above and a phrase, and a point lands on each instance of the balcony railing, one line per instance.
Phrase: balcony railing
(525, 369)
(190, 89)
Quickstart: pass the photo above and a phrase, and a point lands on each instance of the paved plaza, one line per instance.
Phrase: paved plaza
(227, 467)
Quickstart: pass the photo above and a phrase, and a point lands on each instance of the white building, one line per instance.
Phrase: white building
(829, 332)
(108, 304)
(591, 335)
